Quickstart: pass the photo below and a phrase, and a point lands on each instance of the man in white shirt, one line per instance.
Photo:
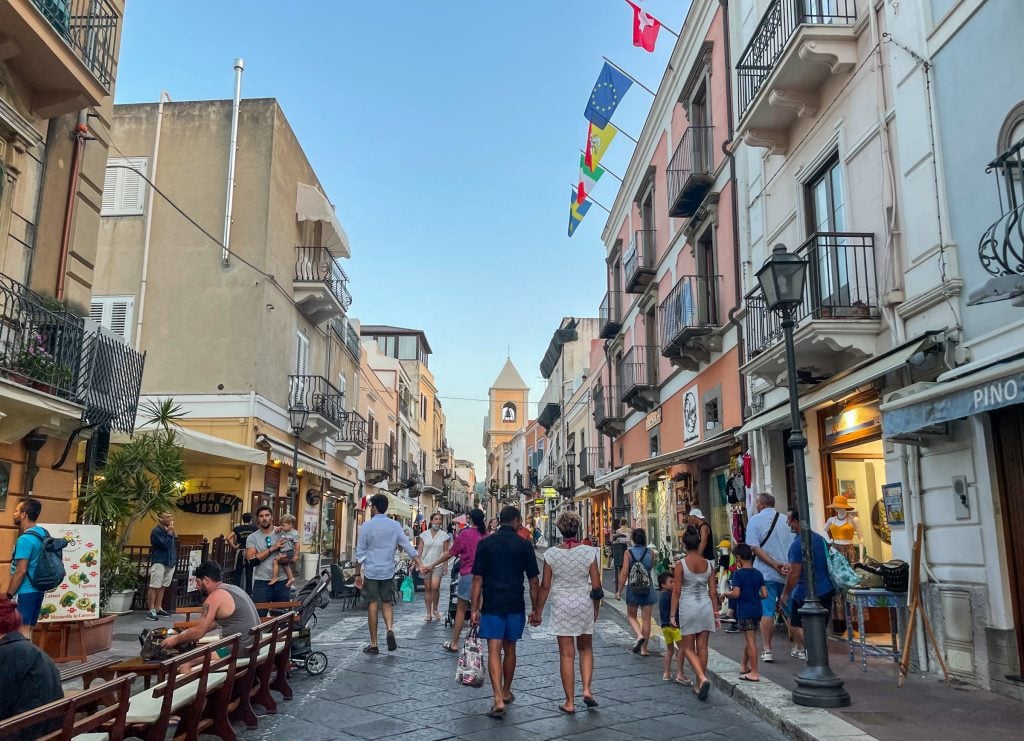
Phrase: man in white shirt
(769, 537)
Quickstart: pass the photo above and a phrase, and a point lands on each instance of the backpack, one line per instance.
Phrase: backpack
(639, 580)
(49, 571)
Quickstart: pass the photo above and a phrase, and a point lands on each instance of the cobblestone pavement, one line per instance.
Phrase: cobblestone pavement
(413, 690)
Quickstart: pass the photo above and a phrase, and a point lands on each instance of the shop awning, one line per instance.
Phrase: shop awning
(691, 452)
(312, 205)
(444, 511)
(839, 386)
(608, 478)
(284, 453)
(985, 390)
(634, 483)
(591, 494)
(200, 442)
(398, 506)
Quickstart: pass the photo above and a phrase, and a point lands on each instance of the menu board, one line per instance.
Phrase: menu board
(78, 596)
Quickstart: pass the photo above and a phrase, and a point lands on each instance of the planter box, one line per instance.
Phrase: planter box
(65, 641)
(119, 603)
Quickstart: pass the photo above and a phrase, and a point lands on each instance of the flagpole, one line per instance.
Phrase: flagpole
(591, 199)
(613, 64)
(604, 168)
(655, 19)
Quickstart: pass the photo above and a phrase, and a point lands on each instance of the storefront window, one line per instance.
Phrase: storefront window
(5, 481)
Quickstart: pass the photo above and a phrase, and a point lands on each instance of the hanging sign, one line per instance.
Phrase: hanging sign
(653, 419)
(78, 596)
(691, 421)
(208, 503)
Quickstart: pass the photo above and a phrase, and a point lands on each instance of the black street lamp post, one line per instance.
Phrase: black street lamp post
(298, 416)
(782, 282)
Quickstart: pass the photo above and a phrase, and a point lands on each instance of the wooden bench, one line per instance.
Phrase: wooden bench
(214, 717)
(270, 641)
(262, 607)
(92, 715)
(87, 672)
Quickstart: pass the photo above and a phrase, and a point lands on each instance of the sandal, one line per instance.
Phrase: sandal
(371, 650)
(705, 688)
(428, 618)
(683, 681)
(496, 712)
(747, 678)
(511, 698)
(590, 702)
(566, 710)
(638, 645)
(437, 616)
(447, 646)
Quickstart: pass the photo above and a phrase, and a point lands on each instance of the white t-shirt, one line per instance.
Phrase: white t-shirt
(777, 546)
(433, 545)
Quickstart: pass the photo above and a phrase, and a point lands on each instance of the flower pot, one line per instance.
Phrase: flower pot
(61, 640)
(309, 564)
(119, 603)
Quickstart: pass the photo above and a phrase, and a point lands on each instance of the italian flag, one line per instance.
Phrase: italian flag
(587, 180)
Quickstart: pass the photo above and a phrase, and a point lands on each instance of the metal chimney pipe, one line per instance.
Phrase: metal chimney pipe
(225, 255)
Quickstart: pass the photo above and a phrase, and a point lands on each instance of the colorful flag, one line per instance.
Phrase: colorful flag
(588, 179)
(608, 91)
(598, 141)
(576, 212)
(645, 28)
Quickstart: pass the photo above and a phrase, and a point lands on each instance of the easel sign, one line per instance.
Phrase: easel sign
(78, 596)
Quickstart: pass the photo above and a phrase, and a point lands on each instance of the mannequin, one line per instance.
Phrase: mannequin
(842, 529)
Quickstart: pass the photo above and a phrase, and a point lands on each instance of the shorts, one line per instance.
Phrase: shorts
(160, 576)
(29, 605)
(502, 627)
(796, 620)
(770, 603)
(464, 590)
(434, 577)
(671, 635)
(379, 590)
(746, 624)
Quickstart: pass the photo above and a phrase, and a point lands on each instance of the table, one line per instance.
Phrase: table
(135, 665)
(862, 598)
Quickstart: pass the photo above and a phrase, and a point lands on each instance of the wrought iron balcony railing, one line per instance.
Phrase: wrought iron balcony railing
(639, 264)
(608, 406)
(319, 396)
(354, 430)
(380, 461)
(90, 29)
(588, 463)
(772, 35)
(690, 171)
(638, 370)
(1001, 249)
(318, 265)
(841, 283)
(610, 315)
(691, 304)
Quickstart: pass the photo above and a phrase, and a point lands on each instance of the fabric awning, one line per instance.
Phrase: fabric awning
(398, 506)
(284, 452)
(611, 476)
(591, 494)
(634, 483)
(312, 205)
(839, 386)
(691, 452)
(444, 511)
(200, 442)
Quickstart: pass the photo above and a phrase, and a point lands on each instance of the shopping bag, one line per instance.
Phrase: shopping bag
(407, 589)
(470, 669)
(841, 572)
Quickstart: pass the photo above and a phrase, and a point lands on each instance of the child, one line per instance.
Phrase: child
(673, 638)
(289, 541)
(747, 591)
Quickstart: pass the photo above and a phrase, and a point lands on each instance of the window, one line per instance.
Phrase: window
(342, 386)
(829, 274)
(301, 354)
(654, 444)
(407, 348)
(827, 208)
(423, 407)
(115, 313)
(712, 401)
(124, 190)
(371, 426)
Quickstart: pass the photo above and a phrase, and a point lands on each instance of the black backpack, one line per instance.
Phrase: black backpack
(49, 571)
(639, 580)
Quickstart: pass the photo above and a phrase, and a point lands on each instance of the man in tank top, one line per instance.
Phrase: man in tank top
(226, 606)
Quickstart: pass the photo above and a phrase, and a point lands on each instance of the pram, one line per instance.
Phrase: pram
(314, 595)
(453, 592)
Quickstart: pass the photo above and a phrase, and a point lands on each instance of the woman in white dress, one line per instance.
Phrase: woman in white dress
(572, 580)
(695, 601)
(434, 545)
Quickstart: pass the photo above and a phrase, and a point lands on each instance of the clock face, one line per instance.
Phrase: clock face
(690, 413)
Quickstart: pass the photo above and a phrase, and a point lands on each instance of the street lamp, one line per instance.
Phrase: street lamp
(298, 415)
(782, 282)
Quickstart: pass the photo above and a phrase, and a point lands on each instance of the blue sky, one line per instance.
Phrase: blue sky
(447, 135)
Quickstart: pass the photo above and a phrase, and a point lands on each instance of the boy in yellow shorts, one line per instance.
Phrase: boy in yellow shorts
(673, 638)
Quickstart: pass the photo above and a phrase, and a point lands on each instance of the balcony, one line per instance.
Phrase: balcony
(565, 475)
(691, 171)
(639, 265)
(610, 315)
(609, 414)
(689, 320)
(327, 415)
(638, 377)
(347, 336)
(548, 414)
(353, 436)
(797, 45)
(380, 463)
(65, 51)
(1001, 248)
(321, 286)
(837, 322)
(588, 465)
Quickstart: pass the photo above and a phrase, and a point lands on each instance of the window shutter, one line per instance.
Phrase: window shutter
(124, 190)
(96, 311)
(119, 311)
(114, 313)
(134, 189)
(301, 354)
(109, 190)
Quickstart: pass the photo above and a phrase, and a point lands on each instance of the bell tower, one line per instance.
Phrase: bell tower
(507, 413)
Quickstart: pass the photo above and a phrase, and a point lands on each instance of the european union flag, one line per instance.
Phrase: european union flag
(610, 88)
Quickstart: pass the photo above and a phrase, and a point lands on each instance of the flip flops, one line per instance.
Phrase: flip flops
(510, 699)
(683, 681)
(748, 678)
(392, 643)
(371, 650)
(590, 702)
(566, 710)
(496, 712)
(447, 646)
(705, 688)
(638, 645)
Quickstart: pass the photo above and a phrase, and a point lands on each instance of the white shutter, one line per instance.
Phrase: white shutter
(124, 190)
(301, 354)
(96, 311)
(109, 190)
(115, 313)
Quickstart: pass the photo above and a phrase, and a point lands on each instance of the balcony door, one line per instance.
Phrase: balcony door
(651, 352)
(700, 118)
(707, 285)
(830, 275)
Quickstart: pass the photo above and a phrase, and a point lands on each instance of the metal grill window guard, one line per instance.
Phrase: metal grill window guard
(90, 29)
(319, 265)
(841, 284)
(692, 302)
(354, 429)
(638, 369)
(693, 156)
(611, 308)
(772, 35)
(319, 396)
(640, 255)
(1001, 249)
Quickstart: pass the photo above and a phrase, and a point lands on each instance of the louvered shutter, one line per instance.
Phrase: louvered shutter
(119, 311)
(301, 354)
(115, 313)
(96, 311)
(109, 191)
(124, 190)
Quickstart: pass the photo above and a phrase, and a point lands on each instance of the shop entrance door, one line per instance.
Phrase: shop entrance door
(1007, 434)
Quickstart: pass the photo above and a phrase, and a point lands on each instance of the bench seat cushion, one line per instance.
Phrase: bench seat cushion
(264, 653)
(145, 706)
(91, 737)
(216, 681)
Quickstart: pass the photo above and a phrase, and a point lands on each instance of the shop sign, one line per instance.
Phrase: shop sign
(78, 596)
(549, 493)
(208, 503)
(984, 397)
(691, 415)
(654, 419)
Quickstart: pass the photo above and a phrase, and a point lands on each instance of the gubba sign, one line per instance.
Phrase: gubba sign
(208, 503)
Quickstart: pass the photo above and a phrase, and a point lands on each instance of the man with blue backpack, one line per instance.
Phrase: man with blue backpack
(36, 565)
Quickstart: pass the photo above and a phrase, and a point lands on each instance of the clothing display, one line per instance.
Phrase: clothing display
(572, 610)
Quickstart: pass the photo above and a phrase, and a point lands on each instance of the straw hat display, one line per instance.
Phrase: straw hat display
(840, 502)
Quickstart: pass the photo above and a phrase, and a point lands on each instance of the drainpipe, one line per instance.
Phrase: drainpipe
(144, 278)
(225, 256)
(81, 136)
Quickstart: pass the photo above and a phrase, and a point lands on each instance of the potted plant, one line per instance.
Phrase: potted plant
(118, 582)
(36, 366)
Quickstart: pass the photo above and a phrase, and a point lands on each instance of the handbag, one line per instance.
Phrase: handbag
(408, 589)
(469, 672)
(841, 572)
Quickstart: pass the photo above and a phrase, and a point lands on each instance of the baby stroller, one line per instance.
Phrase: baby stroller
(314, 595)
(453, 598)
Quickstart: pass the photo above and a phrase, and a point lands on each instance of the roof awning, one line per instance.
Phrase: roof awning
(207, 445)
(634, 483)
(602, 491)
(285, 452)
(839, 386)
(312, 205)
(691, 452)
(611, 476)
(554, 351)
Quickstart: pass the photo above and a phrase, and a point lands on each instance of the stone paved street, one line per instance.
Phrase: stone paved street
(413, 691)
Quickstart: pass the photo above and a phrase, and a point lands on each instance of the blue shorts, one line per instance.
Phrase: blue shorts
(768, 604)
(464, 589)
(29, 605)
(502, 627)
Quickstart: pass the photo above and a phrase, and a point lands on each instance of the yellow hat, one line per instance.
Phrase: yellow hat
(840, 502)
(725, 543)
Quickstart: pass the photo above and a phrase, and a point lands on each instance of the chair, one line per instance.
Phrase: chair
(182, 694)
(224, 656)
(103, 710)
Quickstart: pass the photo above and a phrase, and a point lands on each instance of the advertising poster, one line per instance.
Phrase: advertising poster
(194, 559)
(309, 520)
(78, 596)
(691, 416)
(892, 496)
